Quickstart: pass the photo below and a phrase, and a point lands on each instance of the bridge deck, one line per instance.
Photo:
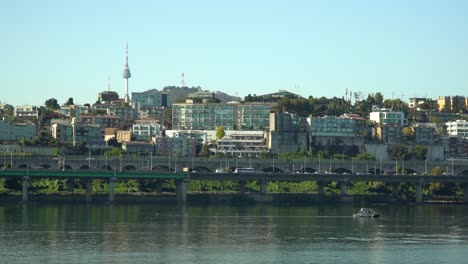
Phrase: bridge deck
(91, 174)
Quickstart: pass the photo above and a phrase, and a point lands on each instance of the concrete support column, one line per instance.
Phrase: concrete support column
(181, 190)
(89, 190)
(112, 189)
(465, 193)
(159, 186)
(25, 183)
(419, 194)
(320, 188)
(242, 187)
(70, 184)
(395, 186)
(343, 188)
(263, 186)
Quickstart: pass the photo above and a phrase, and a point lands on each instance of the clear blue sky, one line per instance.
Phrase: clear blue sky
(60, 49)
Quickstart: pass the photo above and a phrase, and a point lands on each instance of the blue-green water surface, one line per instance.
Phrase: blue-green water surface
(231, 234)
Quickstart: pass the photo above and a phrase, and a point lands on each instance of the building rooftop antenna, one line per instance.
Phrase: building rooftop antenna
(182, 81)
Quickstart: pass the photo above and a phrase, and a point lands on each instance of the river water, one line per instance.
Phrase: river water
(231, 234)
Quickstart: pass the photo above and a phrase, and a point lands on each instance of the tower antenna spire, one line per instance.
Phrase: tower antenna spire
(182, 81)
(126, 75)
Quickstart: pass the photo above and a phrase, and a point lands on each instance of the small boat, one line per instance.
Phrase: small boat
(366, 212)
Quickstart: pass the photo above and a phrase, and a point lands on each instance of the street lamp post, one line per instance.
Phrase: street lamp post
(151, 161)
(320, 155)
(63, 162)
(452, 165)
(425, 167)
(380, 165)
(105, 154)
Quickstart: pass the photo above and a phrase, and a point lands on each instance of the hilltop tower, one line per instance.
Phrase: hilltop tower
(182, 81)
(126, 74)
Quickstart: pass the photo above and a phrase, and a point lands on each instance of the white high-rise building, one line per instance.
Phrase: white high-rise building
(458, 128)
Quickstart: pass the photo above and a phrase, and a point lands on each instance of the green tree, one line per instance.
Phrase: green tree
(365, 156)
(220, 132)
(437, 170)
(70, 101)
(204, 151)
(398, 151)
(115, 152)
(8, 111)
(51, 104)
(408, 133)
(419, 151)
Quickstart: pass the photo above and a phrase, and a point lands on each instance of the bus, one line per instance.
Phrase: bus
(244, 170)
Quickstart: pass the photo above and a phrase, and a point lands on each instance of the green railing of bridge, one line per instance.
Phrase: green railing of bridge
(92, 174)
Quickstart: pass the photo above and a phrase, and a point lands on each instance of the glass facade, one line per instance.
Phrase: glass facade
(229, 116)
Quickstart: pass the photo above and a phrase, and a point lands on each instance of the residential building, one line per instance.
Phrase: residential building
(458, 128)
(73, 110)
(415, 102)
(231, 116)
(145, 129)
(452, 103)
(124, 136)
(27, 111)
(388, 134)
(243, 143)
(288, 133)
(117, 108)
(455, 147)
(10, 131)
(150, 99)
(105, 121)
(345, 130)
(178, 146)
(151, 112)
(424, 133)
(386, 116)
(91, 134)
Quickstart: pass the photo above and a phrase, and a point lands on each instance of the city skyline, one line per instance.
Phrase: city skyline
(54, 49)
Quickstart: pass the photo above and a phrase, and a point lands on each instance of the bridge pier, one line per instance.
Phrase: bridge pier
(320, 188)
(159, 186)
(181, 190)
(395, 186)
(465, 193)
(112, 189)
(89, 190)
(343, 188)
(263, 187)
(419, 194)
(70, 184)
(242, 187)
(25, 185)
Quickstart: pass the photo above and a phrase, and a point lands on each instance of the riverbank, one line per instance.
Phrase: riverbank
(221, 198)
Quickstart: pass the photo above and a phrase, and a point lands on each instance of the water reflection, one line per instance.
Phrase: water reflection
(123, 233)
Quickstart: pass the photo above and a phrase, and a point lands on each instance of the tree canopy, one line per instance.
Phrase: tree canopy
(51, 104)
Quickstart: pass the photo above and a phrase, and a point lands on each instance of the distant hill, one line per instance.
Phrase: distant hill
(176, 93)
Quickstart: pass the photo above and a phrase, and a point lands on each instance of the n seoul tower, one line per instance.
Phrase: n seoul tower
(126, 74)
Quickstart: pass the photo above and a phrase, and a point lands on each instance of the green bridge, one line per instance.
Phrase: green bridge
(181, 179)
